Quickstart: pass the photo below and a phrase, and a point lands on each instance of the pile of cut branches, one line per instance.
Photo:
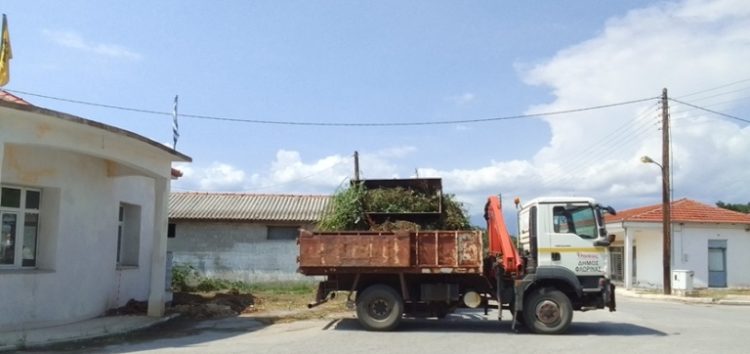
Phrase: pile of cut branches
(349, 207)
(400, 200)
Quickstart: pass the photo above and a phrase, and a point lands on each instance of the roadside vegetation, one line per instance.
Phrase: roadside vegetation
(201, 297)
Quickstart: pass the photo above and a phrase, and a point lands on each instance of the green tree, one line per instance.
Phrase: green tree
(742, 208)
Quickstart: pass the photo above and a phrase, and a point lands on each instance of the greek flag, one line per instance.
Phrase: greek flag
(5, 53)
(175, 126)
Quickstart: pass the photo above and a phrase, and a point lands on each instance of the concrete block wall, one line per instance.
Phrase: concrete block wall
(236, 251)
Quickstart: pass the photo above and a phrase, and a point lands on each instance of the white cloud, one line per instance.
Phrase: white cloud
(290, 173)
(217, 177)
(685, 47)
(73, 40)
(463, 99)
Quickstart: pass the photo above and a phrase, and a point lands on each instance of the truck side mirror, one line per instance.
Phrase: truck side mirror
(604, 242)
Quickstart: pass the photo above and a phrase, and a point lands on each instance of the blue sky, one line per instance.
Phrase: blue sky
(396, 61)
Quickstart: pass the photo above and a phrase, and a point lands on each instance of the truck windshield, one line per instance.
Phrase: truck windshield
(579, 220)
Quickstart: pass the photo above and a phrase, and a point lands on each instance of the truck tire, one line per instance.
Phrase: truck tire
(379, 308)
(547, 311)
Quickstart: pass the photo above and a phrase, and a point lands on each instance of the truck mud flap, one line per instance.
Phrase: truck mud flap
(612, 303)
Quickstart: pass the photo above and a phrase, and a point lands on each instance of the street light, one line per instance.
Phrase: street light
(646, 159)
(667, 227)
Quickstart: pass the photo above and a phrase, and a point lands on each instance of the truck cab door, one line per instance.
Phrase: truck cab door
(573, 231)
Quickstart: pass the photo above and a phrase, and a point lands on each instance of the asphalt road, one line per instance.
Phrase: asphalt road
(639, 326)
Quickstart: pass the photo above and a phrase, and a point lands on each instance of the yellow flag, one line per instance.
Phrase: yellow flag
(5, 54)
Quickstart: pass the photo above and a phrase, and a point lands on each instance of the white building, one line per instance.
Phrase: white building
(712, 242)
(241, 236)
(84, 217)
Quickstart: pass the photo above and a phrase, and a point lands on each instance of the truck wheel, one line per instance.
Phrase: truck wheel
(547, 311)
(379, 308)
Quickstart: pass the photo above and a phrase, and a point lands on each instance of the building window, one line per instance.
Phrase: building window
(128, 235)
(283, 232)
(19, 214)
(579, 220)
(171, 230)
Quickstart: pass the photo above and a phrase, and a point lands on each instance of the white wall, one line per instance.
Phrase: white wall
(691, 251)
(133, 283)
(235, 251)
(76, 276)
(649, 265)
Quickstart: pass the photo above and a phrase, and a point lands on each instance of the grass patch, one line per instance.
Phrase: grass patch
(288, 288)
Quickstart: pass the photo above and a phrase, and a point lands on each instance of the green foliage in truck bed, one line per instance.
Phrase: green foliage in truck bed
(346, 211)
(454, 215)
(349, 207)
(400, 200)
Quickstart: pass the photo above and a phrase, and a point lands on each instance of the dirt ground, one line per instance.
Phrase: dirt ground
(265, 305)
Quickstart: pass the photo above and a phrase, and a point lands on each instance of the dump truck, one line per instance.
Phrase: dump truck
(558, 264)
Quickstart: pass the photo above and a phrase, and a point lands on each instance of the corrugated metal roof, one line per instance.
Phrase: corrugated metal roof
(683, 210)
(248, 207)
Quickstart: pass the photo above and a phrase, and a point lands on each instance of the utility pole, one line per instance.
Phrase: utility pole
(356, 166)
(666, 202)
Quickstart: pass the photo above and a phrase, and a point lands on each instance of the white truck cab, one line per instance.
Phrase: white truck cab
(565, 232)
(566, 248)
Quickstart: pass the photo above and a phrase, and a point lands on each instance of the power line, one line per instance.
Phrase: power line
(714, 104)
(625, 133)
(711, 111)
(591, 155)
(720, 94)
(102, 105)
(424, 123)
(597, 157)
(719, 103)
(343, 124)
(715, 88)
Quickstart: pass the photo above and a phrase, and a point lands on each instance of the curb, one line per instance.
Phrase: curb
(734, 302)
(104, 333)
(684, 299)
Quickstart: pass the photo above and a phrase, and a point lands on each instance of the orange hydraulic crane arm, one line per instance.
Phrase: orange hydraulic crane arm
(501, 244)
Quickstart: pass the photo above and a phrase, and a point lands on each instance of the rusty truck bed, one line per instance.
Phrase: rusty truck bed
(442, 252)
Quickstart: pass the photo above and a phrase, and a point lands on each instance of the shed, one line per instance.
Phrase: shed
(241, 236)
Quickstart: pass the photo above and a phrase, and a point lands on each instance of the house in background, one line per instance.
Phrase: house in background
(712, 242)
(83, 208)
(239, 236)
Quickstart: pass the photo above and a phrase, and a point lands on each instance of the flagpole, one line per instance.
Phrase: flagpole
(175, 126)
